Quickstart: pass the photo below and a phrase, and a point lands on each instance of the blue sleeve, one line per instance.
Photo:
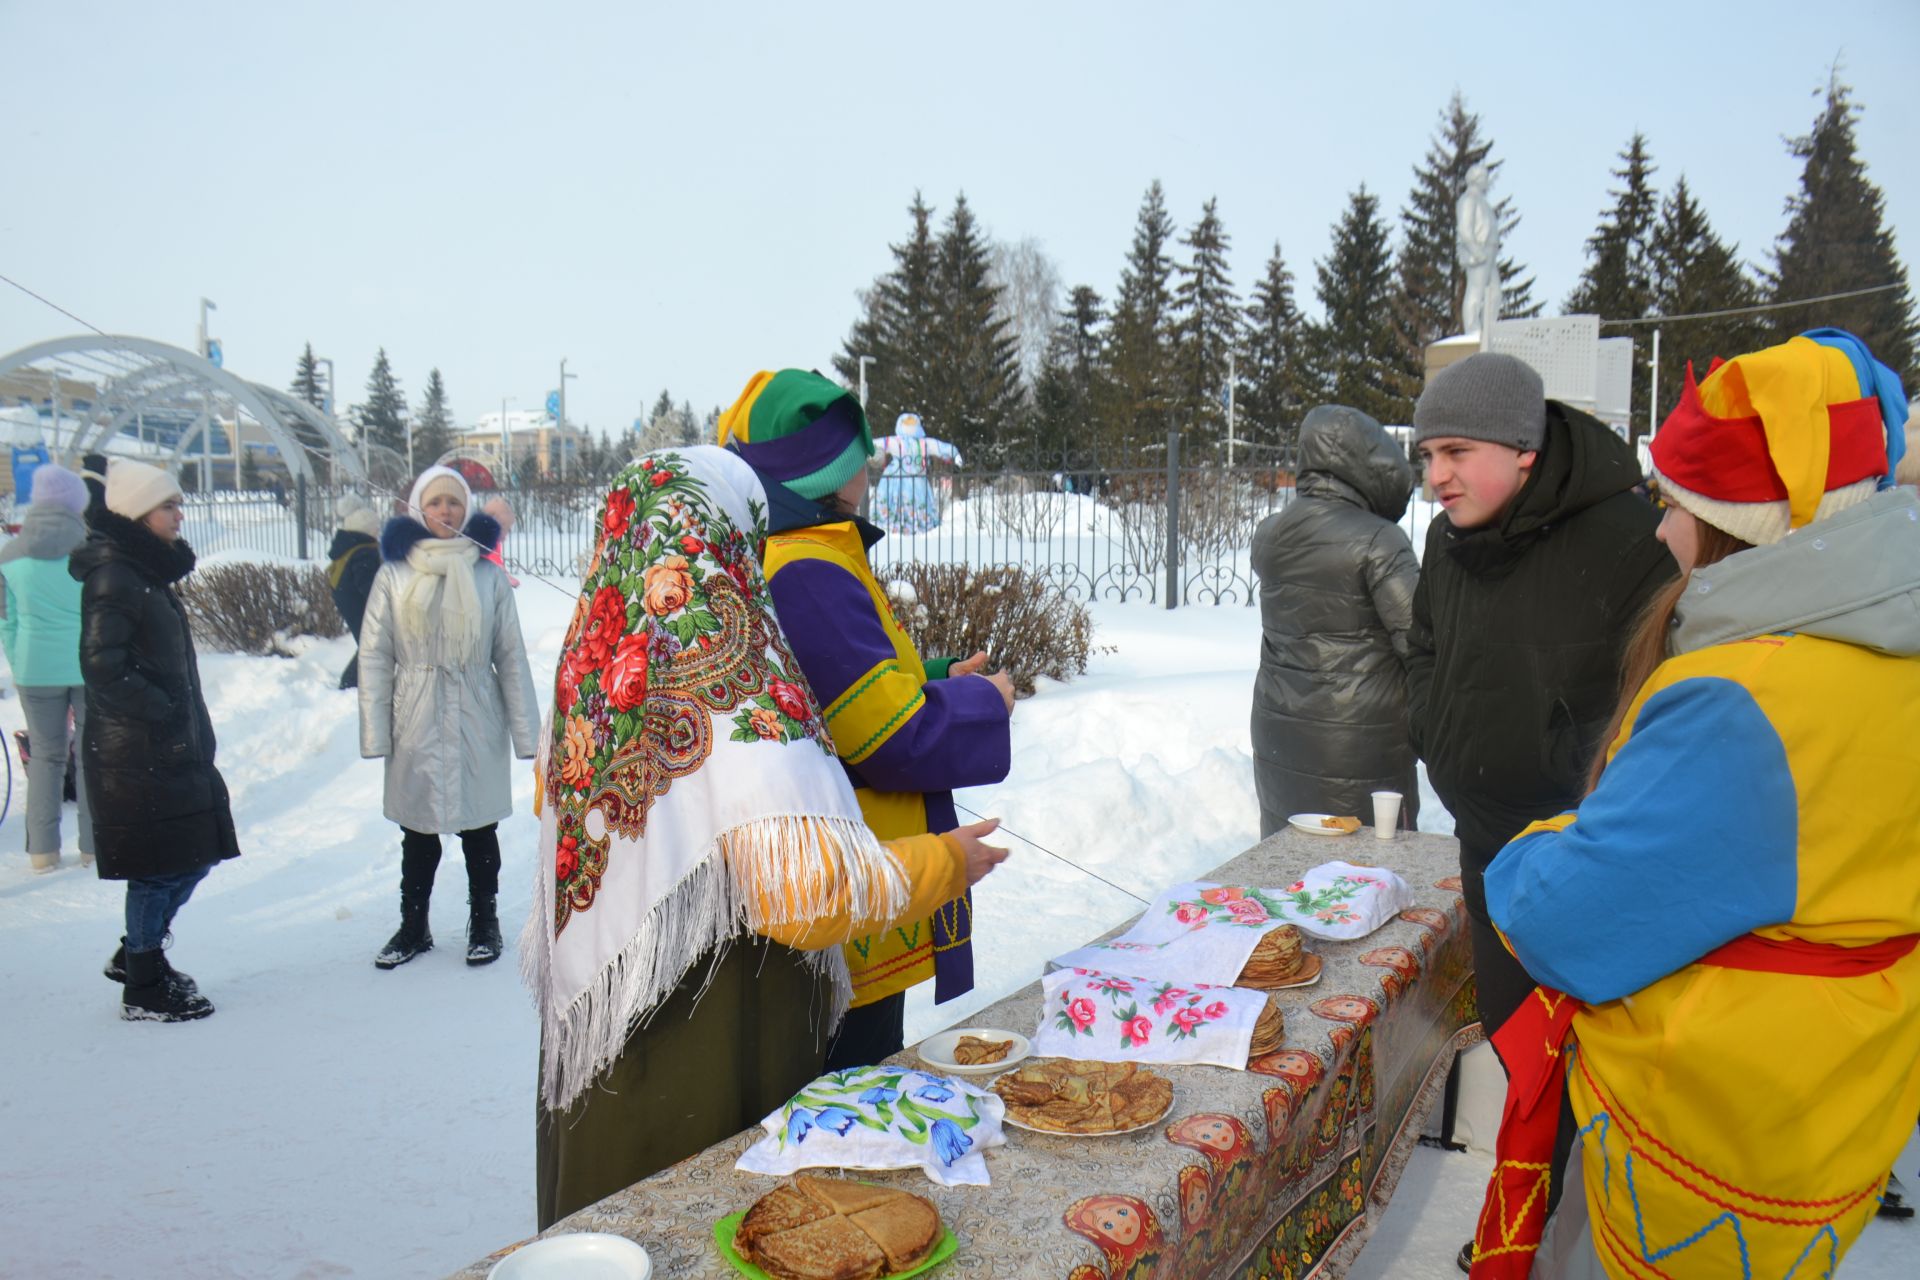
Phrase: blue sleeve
(1690, 840)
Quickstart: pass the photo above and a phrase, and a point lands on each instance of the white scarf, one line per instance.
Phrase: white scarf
(675, 785)
(439, 605)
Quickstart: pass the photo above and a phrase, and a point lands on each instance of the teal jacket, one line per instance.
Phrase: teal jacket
(40, 607)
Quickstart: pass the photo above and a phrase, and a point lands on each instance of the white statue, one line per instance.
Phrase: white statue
(1476, 240)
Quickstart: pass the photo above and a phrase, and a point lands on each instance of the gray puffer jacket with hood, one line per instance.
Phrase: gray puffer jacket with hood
(1337, 576)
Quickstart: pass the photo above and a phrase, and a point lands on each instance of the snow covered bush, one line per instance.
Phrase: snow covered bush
(1028, 627)
(243, 607)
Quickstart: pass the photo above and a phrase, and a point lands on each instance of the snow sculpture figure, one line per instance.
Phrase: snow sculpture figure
(904, 500)
(1476, 240)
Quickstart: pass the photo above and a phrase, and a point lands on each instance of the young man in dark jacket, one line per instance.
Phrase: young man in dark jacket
(355, 559)
(1531, 583)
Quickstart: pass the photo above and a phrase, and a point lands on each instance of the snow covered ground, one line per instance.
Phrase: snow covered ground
(332, 1120)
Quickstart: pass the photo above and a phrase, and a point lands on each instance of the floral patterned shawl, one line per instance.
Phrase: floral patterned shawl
(689, 791)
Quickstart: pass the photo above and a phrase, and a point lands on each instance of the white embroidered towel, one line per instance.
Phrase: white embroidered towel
(1197, 932)
(883, 1118)
(1107, 1018)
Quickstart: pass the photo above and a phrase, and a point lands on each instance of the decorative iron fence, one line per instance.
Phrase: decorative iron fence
(1142, 524)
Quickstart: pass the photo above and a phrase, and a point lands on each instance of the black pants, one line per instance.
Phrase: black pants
(870, 1033)
(420, 858)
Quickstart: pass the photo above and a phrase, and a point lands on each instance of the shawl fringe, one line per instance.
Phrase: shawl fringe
(772, 871)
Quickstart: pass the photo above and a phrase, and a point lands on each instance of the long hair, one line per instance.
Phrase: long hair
(1647, 645)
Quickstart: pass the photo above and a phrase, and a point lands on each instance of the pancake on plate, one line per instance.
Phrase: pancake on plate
(835, 1229)
(1067, 1095)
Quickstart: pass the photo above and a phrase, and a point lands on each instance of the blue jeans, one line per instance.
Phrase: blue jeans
(152, 902)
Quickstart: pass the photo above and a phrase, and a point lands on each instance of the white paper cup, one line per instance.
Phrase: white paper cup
(1386, 814)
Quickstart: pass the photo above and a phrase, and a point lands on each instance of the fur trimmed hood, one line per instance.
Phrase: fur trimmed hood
(402, 532)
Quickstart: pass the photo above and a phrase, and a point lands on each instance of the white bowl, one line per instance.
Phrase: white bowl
(579, 1255)
(937, 1050)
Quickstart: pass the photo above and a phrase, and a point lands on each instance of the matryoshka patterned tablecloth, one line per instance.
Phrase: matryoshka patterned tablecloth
(1271, 1172)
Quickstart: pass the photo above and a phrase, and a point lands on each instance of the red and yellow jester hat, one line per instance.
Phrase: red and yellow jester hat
(1778, 438)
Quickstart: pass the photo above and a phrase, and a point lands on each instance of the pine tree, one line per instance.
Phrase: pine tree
(1431, 285)
(383, 418)
(1617, 283)
(1837, 240)
(898, 329)
(306, 380)
(668, 427)
(1066, 392)
(1139, 339)
(1276, 387)
(1693, 272)
(974, 372)
(1206, 327)
(249, 471)
(1356, 345)
(433, 432)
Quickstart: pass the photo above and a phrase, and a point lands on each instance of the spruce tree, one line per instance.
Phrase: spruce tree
(974, 369)
(1694, 272)
(1276, 387)
(1431, 285)
(1139, 338)
(1617, 283)
(1066, 392)
(433, 432)
(306, 379)
(1837, 240)
(1356, 346)
(1206, 327)
(383, 417)
(899, 327)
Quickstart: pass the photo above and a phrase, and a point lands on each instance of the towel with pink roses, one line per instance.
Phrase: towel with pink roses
(1105, 1017)
(1196, 932)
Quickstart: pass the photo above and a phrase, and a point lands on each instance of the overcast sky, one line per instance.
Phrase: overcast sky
(677, 195)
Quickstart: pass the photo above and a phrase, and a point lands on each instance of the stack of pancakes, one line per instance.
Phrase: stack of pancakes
(1278, 961)
(832, 1229)
(1067, 1095)
(1269, 1032)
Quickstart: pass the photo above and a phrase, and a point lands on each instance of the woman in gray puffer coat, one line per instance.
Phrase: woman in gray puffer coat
(1336, 597)
(445, 696)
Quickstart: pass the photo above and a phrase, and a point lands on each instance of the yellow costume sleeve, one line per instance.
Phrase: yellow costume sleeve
(936, 873)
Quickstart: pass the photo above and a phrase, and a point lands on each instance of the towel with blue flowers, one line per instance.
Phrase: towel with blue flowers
(885, 1117)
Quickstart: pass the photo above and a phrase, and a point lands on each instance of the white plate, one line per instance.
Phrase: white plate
(937, 1050)
(579, 1255)
(1144, 1124)
(1310, 823)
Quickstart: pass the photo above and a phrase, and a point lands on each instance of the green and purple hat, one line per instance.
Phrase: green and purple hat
(804, 430)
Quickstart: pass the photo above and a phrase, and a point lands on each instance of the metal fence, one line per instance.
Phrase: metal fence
(1144, 524)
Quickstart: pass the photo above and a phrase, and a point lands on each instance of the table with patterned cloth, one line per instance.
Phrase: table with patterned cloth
(1269, 1172)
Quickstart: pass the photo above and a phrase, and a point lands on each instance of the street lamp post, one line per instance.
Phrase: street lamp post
(205, 306)
(564, 375)
(506, 446)
(864, 362)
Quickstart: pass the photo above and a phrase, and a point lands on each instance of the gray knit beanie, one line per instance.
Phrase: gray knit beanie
(1489, 396)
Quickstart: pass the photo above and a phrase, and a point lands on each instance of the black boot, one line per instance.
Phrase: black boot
(151, 997)
(483, 931)
(116, 969)
(411, 938)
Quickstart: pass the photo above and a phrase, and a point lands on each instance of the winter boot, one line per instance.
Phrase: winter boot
(116, 969)
(149, 997)
(44, 862)
(483, 931)
(411, 938)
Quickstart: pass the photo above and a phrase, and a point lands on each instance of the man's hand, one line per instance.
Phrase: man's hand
(1004, 683)
(969, 666)
(981, 857)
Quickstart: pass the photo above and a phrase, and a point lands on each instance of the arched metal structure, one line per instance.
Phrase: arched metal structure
(136, 376)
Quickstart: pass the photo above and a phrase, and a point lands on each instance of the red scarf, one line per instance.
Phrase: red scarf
(1533, 1044)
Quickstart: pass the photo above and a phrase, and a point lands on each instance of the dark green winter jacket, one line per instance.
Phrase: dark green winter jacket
(1519, 628)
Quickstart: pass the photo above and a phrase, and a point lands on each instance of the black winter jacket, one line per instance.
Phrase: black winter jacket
(1337, 579)
(159, 805)
(355, 560)
(1519, 630)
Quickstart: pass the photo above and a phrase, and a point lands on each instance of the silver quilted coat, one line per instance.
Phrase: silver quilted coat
(1336, 598)
(446, 732)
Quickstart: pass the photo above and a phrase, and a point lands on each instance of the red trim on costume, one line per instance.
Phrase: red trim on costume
(1727, 458)
(1756, 954)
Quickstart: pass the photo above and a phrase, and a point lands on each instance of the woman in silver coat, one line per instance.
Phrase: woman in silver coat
(445, 696)
(1336, 598)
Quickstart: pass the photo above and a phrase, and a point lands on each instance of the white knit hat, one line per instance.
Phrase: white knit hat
(437, 478)
(134, 488)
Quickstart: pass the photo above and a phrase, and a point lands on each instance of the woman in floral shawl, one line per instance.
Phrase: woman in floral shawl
(702, 856)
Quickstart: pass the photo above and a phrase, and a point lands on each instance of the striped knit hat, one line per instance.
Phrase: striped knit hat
(804, 430)
(1776, 439)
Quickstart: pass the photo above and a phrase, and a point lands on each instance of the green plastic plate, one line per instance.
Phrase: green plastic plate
(723, 1236)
